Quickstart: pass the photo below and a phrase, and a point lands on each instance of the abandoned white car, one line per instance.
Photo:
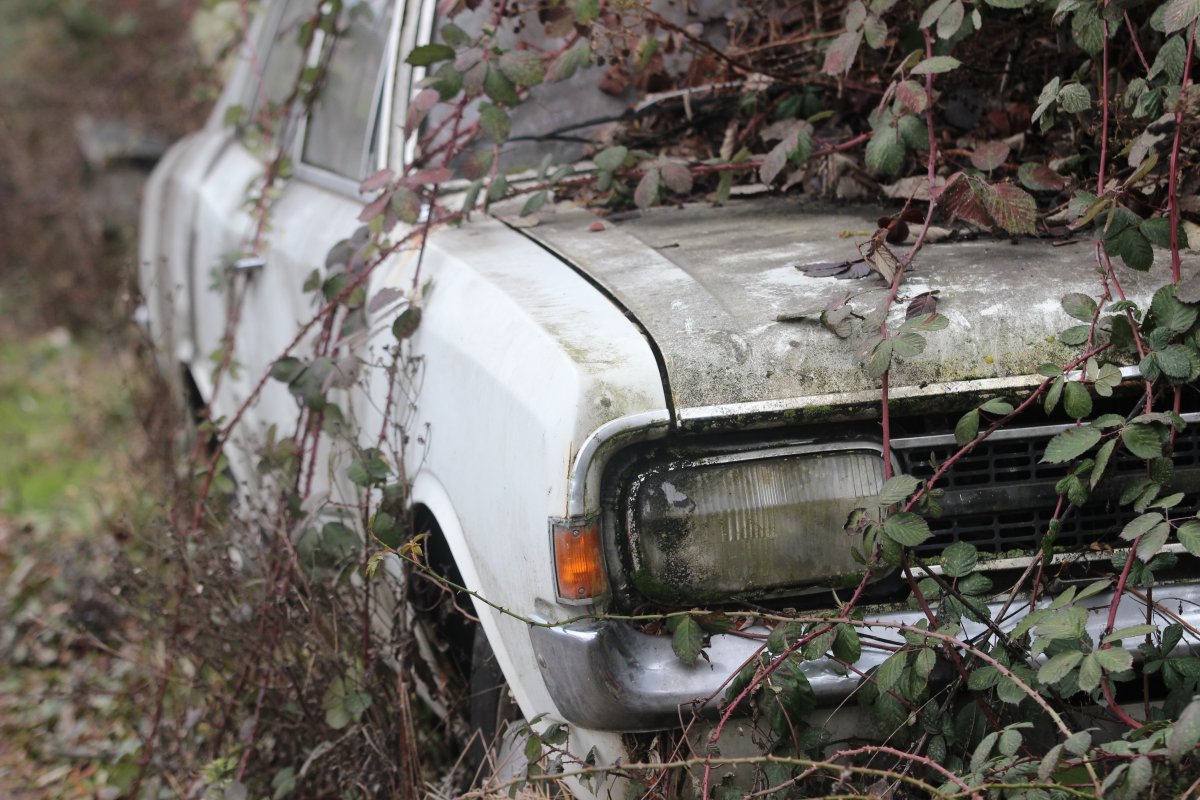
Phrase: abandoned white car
(607, 416)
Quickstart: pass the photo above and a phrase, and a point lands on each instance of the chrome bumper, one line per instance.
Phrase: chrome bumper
(604, 675)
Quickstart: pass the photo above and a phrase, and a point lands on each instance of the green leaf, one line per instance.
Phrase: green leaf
(1189, 536)
(1185, 733)
(1179, 14)
(906, 528)
(880, 358)
(287, 369)
(647, 192)
(1157, 230)
(1065, 623)
(688, 640)
(1075, 98)
(406, 324)
(1078, 743)
(454, 35)
(1079, 306)
(1090, 673)
(1170, 312)
(1141, 525)
(494, 122)
(428, 54)
(611, 159)
(819, 645)
(522, 67)
(897, 489)
(846, 645)
(1102, 457)
(1142, 441)
(935, 65)
(885, 152)
(1077, 401)
(1070, 444)
(967, 427)
(535, 203)
(891, 670)
(1114, 659)
(1153, 541)
(959, 559)
(1059, 667)
(908, 344)
(1132, 632)
(1134, 249)
(997, 406)
(497, 86)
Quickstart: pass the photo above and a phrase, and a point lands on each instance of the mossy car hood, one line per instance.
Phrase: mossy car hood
(710, 284)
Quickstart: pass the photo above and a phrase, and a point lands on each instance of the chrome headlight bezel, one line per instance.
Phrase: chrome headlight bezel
(625, 542)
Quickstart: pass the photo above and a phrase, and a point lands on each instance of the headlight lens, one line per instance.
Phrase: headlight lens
(748, 525)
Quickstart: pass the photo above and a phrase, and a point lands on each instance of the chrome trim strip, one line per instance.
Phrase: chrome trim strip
(1004, 434)
(699, 414)
(635, 427)
(725, 411)
(606, 676)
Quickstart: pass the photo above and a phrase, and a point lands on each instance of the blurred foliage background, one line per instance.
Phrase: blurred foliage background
(90, 92)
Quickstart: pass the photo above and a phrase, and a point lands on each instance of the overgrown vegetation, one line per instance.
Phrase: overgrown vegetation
(268, 658)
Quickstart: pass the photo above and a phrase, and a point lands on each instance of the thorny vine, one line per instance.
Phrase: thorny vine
(996, 712)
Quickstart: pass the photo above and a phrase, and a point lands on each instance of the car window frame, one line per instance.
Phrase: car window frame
(382, 110)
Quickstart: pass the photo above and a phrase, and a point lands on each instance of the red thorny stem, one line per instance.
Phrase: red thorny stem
(715, 736)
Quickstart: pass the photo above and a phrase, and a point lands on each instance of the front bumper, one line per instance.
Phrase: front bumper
(604, 675)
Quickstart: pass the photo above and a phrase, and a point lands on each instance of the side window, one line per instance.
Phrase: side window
(277, 58)
(338, 137)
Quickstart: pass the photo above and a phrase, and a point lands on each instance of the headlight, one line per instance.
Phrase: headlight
(749, 524)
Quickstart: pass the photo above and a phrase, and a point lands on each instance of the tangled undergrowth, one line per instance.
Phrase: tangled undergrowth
(269, 659)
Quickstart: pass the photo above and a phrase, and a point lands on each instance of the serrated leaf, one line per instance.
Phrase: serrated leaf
(1179, 14)
(1040, 178)
(1075, 98)
(428, 54)
(1077, 401)
(891, 670)
(912, 95)
(935, 65)
(951, 20)
(494, 122)
(611, 159)
(1079, 306)
(1185, 733)
(908, 344)
(885, 152)
(1114, 659)
(880, 358)
(989, 155)
(1131, 632)
(967, 427)
(647, 192)
(1102, 457)
(983, 750)
(522, 67)
(1090, 673)
(688, 640)
(959, 559)
(897, 489)
(1170, 312)
(1142, 441)
(846, 644)
(535, 203)
(1059, 667)
(1078, 743)
(1140, 525)
(677, 177)
(1070, 444)
(1152, 542)
(497, 86)
(1012, 208)
(819, 645)
(906, 528)
(840, 55)
(568, 63)
(406, 324)
(1189, 536)
(1049, 762)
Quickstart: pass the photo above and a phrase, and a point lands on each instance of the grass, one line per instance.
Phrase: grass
(69, 439)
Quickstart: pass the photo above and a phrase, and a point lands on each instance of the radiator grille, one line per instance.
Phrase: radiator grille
(1000, 497)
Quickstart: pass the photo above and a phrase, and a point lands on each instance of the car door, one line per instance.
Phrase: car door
(253, 259)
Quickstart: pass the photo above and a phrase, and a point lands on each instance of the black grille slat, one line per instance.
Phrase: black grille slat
(1000, 497)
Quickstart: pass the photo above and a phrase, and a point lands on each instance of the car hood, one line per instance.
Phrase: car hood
(709, 285)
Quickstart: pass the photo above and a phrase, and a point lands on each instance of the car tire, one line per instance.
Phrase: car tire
(494, 753)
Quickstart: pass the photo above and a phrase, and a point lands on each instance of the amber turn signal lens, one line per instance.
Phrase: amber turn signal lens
(578, 562)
